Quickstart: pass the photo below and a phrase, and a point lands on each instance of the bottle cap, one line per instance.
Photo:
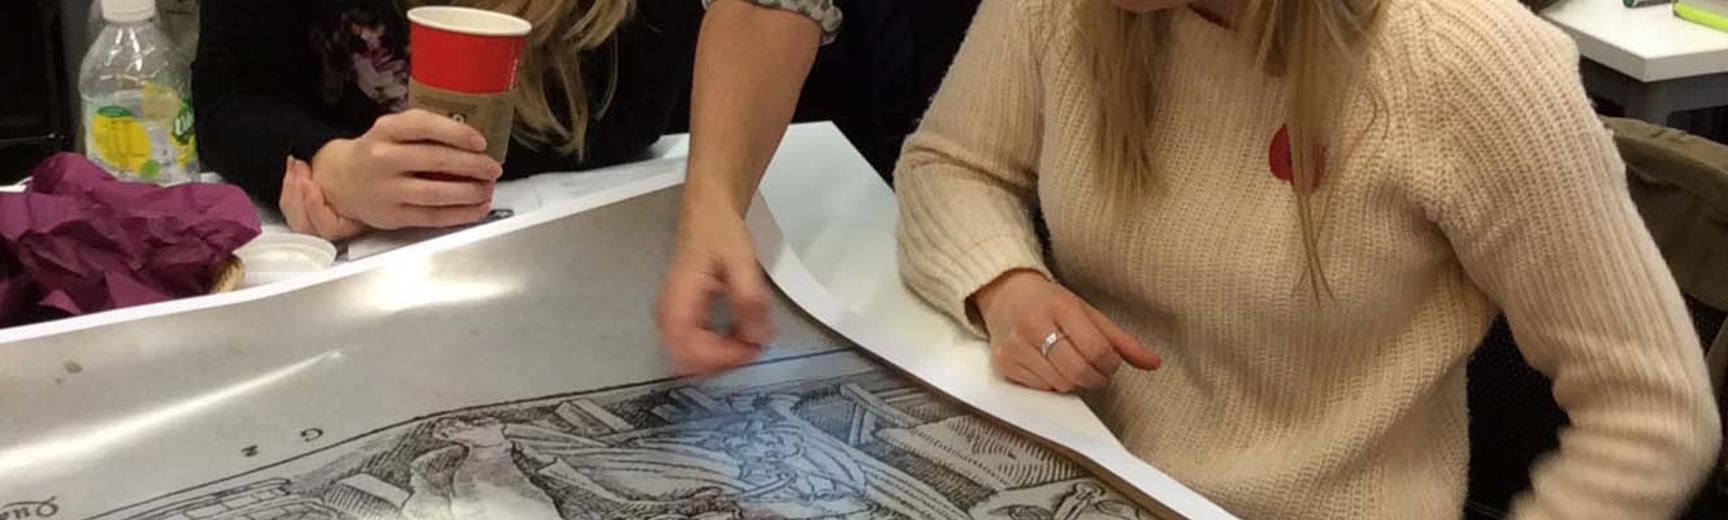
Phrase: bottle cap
(128, 11)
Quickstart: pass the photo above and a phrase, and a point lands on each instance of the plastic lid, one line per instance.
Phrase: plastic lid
(128, 11)
(284, 254)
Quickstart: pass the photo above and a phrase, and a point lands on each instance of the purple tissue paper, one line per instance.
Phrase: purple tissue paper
(79, 241)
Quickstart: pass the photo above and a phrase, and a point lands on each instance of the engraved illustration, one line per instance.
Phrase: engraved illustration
(842, 438)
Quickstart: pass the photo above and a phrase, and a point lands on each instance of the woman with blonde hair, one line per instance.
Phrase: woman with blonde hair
(301, 101)
(1305, 214)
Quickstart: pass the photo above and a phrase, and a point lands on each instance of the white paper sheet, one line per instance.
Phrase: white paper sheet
(962, 371)
(827, 238)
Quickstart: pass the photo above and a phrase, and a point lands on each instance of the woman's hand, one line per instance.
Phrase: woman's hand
(1021, 309)
(413, 169)
(715, 259)
(305, 208)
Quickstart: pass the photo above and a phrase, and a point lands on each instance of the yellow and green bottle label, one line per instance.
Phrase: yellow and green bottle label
(158, 139)
(185, 140)
(118, 139)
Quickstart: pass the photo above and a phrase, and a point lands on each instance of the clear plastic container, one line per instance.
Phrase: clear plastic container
(137, 105)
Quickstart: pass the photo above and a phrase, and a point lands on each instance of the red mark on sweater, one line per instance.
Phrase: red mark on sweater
(1279, 156)
(1279, 159)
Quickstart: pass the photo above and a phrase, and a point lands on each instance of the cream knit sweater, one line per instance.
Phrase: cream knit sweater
(1482, 184)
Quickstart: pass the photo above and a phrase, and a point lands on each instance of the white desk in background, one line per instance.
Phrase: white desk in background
(1644, 58)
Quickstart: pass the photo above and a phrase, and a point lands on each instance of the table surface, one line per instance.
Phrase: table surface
(1646, 43)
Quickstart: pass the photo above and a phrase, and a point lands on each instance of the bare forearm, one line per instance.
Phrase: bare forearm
(751, 63)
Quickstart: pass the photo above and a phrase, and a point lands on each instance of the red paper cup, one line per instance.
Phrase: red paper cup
(463, 66)
(465, 50)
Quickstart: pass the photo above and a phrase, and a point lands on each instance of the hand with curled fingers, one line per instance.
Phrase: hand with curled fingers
(715, 260)
(1044, 337)
(413, 169)
(305, 208)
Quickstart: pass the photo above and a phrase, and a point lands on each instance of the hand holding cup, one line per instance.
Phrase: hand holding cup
(413, 169)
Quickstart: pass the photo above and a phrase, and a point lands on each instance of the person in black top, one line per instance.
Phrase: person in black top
(298, 103)
(317, 87)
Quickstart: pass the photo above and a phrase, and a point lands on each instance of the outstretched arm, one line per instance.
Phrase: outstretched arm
(751, 62)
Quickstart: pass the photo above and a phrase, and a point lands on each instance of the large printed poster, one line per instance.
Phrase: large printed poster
(514, 377)
(829, 435)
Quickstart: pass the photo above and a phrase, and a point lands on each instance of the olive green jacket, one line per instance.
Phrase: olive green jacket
(1680, 184)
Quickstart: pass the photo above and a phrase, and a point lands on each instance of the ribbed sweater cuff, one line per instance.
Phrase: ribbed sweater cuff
(971, 268)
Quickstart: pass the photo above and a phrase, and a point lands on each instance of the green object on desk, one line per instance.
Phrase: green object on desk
(1708, 13)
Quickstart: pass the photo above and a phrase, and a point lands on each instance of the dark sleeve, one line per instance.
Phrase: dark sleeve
(650, 57)
(253, 61)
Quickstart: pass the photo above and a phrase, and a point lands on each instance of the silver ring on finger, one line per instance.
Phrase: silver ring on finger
(1051, 341)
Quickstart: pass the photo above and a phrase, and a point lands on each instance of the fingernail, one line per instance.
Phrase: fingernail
(478, 143)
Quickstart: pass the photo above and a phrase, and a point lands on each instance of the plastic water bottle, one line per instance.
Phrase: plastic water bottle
(137, 110)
